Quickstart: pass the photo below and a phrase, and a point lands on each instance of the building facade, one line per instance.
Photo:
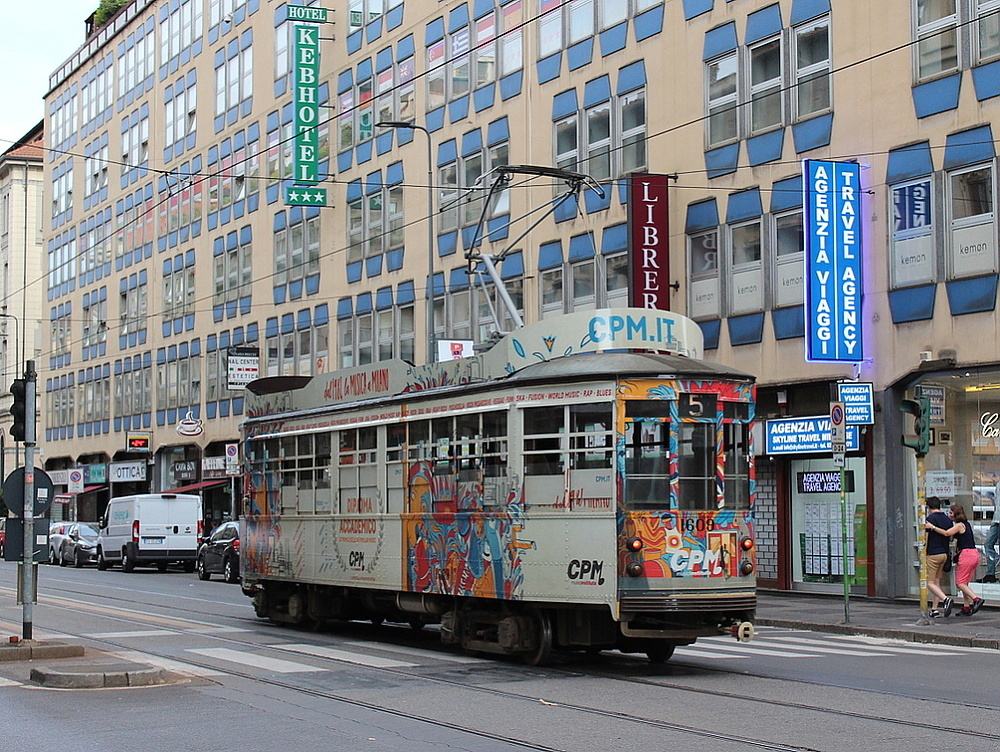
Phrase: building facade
(174, 251)
(22, 284)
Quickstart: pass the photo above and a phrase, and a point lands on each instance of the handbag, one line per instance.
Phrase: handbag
(947, 565)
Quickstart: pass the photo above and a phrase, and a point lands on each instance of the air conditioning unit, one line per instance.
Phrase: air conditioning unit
(926, 355)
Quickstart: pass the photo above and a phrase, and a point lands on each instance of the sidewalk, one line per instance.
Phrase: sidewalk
(896, 619)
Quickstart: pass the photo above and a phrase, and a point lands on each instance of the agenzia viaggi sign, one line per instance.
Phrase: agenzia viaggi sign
(833, 260)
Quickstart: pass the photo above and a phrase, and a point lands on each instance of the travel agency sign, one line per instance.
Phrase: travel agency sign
(833, 261)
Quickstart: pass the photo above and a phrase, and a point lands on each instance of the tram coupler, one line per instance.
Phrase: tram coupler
(744, 631)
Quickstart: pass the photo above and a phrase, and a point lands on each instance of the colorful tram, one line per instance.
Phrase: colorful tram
(586, 484)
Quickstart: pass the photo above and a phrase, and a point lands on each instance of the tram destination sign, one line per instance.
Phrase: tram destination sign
(833, 261)
(805, 436)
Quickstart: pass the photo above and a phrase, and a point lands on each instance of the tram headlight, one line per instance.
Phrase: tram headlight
(635, 569)
(634, 544)
(746, 567)
(746, 543)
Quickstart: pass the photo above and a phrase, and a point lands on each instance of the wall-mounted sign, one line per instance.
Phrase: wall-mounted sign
(303, 13)
(833, 260)
(190, 425)
(805, 436)
(859, 402)
(300, 196)
(306, 142)
(138, 441)
(128, 472)
(649, 242)
(242, 366)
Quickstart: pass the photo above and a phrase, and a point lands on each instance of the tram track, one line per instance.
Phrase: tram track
(589, 671)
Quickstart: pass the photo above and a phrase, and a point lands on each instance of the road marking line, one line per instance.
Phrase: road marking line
(866, 647)
(415, 652)
(749, 650)
(137, 633)
(817, 647)
(320, 651)
(9, 683)
(276, 665)
(216, 630)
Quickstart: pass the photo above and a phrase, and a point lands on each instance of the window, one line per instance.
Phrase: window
(789, 249)
(97, 166)
(375, 223)
(135, 141)
(747, 278)
(812, 68)
(222, 11)
(722, 100)
(361, 12)
(95, 319)
(180, 28)
(233, 80)
(436, 75)
(780, 78)
(133, 387)
(61, 333)
(179, 290)
(179, 116)
(95, 399)
(233, 273)
(296, 251)
(511, 43)
(937, 37)
(597, 281)
(912, 255)
(703, 266)
(133, 300)
(973, 221)
(582, 141)
(178, 381)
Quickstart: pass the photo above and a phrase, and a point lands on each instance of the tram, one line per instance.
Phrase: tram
(585, 484)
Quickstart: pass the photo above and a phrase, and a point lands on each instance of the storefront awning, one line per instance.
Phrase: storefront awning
(198, 486)
(66, 498)
(88, 489)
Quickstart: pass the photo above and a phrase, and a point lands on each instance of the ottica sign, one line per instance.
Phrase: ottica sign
(833, 260)
(804, 436)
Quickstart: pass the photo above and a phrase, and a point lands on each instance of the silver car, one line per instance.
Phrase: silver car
(79, 545)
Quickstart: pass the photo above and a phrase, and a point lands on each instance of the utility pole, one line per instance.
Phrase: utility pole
(28, 564)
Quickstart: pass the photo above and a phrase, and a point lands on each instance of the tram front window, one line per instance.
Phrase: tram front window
(737, 467)
(696, 466)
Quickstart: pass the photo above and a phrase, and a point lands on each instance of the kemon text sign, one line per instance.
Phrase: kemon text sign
(833, 261)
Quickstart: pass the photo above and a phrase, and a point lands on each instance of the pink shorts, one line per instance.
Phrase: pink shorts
(968, 561)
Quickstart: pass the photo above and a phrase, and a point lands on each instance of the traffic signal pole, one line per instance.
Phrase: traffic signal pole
(920, 409)
(28, 564)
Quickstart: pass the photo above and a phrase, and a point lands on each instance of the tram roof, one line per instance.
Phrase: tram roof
(613, 364)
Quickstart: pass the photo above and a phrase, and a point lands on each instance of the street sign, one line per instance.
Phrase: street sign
(859, 402)
(75, 480)
(13, 491)
(838, 429)
(232, 459)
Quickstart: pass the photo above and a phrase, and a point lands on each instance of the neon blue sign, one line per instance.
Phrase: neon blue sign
(833, 260)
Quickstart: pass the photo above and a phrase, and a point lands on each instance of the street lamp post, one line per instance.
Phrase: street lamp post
(429, 314)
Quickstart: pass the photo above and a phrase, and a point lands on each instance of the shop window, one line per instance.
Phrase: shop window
(973, 221)
(703, 263)
(912, 254)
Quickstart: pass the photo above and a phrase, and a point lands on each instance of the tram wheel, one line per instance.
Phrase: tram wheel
(543, 625)
(660, 652)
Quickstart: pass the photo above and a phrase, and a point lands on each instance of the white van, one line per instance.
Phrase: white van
(150, 530)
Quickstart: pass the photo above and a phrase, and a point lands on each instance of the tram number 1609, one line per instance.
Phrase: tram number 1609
(699, 525)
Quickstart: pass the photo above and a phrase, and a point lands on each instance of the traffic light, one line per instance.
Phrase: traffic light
(19, 409)
(920, 409)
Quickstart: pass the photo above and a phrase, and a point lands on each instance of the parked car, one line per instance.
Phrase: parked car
(220, 553)
(79, 545)
(150, 530)
(57, 534)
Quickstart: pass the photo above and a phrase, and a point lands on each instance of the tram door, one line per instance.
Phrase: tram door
(647, 459)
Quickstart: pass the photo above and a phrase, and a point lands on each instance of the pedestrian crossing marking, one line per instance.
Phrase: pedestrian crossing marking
(9, 682)
(741, 651)
(863, 645)
(320, 651)
(136, 633)
(177, 667)
(415, 652)
(277, 665)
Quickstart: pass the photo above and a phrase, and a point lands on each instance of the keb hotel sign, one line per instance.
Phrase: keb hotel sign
(649, 242)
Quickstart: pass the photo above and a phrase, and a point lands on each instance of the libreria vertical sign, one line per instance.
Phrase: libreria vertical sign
(306, 103)
(833, 260)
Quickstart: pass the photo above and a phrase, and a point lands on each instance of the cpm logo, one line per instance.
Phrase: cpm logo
(586, 571)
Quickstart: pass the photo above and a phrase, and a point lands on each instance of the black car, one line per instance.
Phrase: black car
(79, 545)
(220, 554)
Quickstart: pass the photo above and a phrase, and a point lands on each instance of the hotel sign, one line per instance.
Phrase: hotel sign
(303, 13)
(306, 146)
(649, 242)
(833, 261)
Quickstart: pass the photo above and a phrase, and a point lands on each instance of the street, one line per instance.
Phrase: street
(252, 684)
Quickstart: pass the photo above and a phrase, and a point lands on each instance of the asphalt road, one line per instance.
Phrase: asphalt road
(249, 684)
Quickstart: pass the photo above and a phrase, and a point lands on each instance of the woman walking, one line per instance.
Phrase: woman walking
(968, 557)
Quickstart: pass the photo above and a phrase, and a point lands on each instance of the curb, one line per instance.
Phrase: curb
(30, 650)
(139, 677)
(930, 638)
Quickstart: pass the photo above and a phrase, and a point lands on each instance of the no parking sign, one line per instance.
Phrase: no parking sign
(75, 481)
(232, 459)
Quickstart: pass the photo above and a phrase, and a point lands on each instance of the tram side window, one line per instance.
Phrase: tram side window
(696, 466)
(647, 460)
(590, 437)
(357, 472)
(418, 438)
(442, 433)
(289, 475)
(395, 474)
(494, 450)
(543, 429)
(322, 473)
(737, 465)
(304, 481)
(468, 436)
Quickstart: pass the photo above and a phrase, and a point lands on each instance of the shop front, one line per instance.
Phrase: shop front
(962, 466)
